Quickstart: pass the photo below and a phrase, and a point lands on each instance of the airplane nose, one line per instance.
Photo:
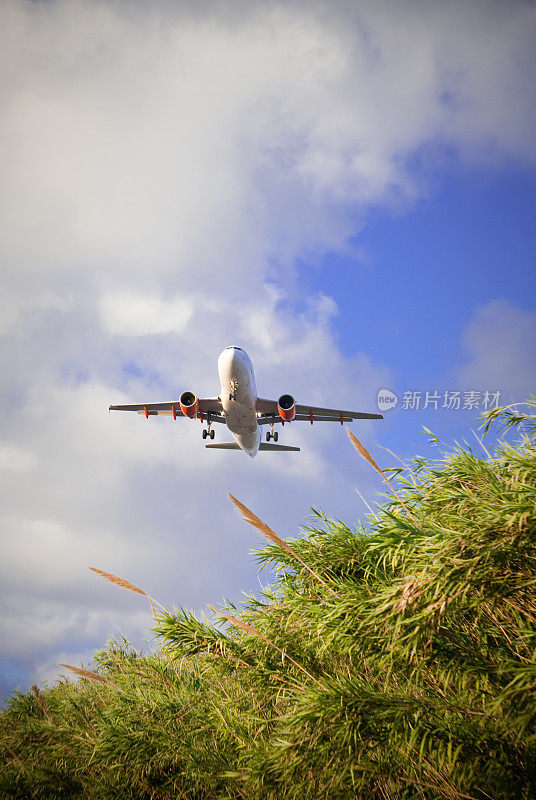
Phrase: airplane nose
(226, 360)
(229, 355)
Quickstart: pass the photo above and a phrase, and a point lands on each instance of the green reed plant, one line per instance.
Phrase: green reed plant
(396, 659)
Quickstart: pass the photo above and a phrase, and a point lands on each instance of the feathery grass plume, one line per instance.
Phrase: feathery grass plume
(127, 585)
(270, 534)
(40, 700)
(92, 676)
(366, 455)
(118, 581)
(238, 623)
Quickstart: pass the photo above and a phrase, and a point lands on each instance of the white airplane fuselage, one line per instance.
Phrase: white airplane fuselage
(239, 397)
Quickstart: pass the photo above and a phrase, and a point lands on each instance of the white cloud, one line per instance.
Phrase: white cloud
(16, 459)
(13, 305)
(151, 145)
(128, 314)
(500, 341)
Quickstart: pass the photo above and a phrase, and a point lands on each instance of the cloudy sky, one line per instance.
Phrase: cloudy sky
(345, 189)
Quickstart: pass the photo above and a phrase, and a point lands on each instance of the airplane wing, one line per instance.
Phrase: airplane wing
(206, 404)
(268, 410)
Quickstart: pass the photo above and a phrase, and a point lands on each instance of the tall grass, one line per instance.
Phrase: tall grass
(393, 660)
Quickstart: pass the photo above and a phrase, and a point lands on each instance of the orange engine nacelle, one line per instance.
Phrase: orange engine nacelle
(286, 406)
(189, 404)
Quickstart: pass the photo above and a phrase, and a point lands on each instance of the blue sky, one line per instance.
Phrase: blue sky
(426, 271)
(345, 190)
(472, 241)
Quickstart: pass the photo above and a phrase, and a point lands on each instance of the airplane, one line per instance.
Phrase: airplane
(241, 410)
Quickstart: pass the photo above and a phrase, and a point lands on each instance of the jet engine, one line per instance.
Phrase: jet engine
(286, 406)
(189, 404)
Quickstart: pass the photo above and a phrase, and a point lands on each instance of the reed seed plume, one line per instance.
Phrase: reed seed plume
(263, 528)
(115, 579)
(119, 581)
(238, 623)
(366, 455)
(40, 700)
(92, 676)
(245, 627)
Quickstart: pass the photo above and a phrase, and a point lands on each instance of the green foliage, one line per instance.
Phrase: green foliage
(410, 672)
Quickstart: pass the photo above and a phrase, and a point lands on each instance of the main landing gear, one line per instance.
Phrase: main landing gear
(271, 434)
(208, 432)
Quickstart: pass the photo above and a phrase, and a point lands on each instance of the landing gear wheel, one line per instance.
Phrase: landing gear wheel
(268, 436)
(205, 433)
(211, 434)
(275, 436)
